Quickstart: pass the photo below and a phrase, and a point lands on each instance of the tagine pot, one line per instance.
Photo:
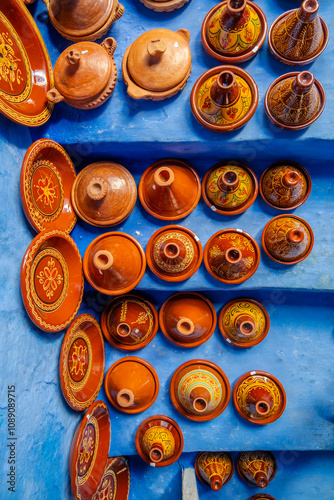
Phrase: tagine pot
(85, 74)
(214, 469)
(164, 5)
(257, 468)
(298, 36)
(234, 31)
(115, 482)
(262, 496)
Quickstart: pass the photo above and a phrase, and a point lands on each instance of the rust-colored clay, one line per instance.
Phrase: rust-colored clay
(262, 496)
(257, 468)
(214, 469)
(164, 5)
(115, 483)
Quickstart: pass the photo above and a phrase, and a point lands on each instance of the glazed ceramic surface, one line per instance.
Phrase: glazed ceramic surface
(115, 483)
(164, 6)
(262, 496)
(214, 469)
(257, 468)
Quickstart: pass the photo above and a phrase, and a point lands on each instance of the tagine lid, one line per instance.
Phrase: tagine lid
(114, 263)
(262, 496)
(104, 193)
(287, 239)
(115, 482)
(244, 322)
(215, 469)
(187, 319)
(169, 189)
(131, 385)
(234, 31)
(129, 322)
(229, 187)
(259, 397)
(164, 5)
(257, 468)
(23, 96)
(52, 280)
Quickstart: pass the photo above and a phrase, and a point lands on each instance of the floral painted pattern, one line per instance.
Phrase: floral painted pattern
(50, 278)
(46, 190)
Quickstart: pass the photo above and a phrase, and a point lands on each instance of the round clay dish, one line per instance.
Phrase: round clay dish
(115, 483)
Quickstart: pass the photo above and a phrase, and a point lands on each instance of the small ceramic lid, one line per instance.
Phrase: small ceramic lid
(215, 469)
(262, 496)
(104, 193)
(47, 175)
(114, 263)
(200, 390)
(257, 468)
(52, 280)
(81, 363)
(259, 397)
(287, 239)
(244, 322)
(129, 322)
(89, 451)
(131, 385)
(229, 187)
(115, 482)
(174, 253)
(159, 441)
(231, 256)
(285, 185)
(187, 319)
(169, 189)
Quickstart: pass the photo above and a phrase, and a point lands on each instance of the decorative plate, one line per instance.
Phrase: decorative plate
(115, 483)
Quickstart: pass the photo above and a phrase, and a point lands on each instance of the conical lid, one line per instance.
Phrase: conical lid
(214, 469)
(257, 468)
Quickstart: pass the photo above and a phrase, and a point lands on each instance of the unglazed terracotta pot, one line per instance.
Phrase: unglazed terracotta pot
(287, 239)
(131, 385)
(104, 194)
(164, 5)
(298, 36)
(214, 469)
(169, 189)
(200, 390)
(262, 496)
(257, 468)
(159, 441)
(229, 187)
(234, 31)
(115, 482)
(85, 74)
(187, 319)
(158, 64)
(259, 397)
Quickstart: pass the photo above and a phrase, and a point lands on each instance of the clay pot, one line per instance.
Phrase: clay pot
(85, 74)
(104, 194)
(231, 256)
(131, 385)
(129, 322)
(259, 397)
(214, 469)
(229, 187)
(285, 185)
(257, 468)
(287, 239)
(298, 36)
(200, 390)
(262, 496)
(244, 322)
(114, 263)
(159, 441)
(187, 319)
(164, 5)
(115, 482)
(169, 189)
(174, 253)
(234, 31)
(295, 100)
(158, 64)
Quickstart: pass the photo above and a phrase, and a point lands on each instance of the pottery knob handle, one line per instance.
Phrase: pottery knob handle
(228, 181)
(216, 482)
(261, 479)
(54, 96)
(291, 179)
(164, 177)
(119, 11)
(185, 326)
(171, 250)
(156, 452)
(97, 189)
(233, 255)
(156, 47)
(245, 325)
(200, 398)
(308, 10)
(236, 7)
(123, 330)
(103, 260)
(303, 82)
(295, 236)
(73, 56)
(110, 45)
(125, 398)
(184, 33)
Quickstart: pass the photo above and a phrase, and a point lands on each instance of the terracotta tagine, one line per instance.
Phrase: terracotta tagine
(244, 322)
(129, 322)
(174, 253)
(159, 441)
(85, 74)
(214, 469)
(158, 64)
(89, 451)
(26, 70)
(262, 496)
(115, 482)
(47, 175)
(52, 280)
(164, 5)
(131, 385)
(231, 256)
(83, 19)
(287, 239)
(259, 397)
(169, 189)
(229, 187)
(104, 194)
(234, 31)
(114, 263)
(298, 36)
(285, 185)
(81, 362)
(187, 319)
(200, 390)
(295, 100)
(257, 468)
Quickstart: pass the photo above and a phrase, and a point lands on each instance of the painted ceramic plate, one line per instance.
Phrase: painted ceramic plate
(115, 483)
